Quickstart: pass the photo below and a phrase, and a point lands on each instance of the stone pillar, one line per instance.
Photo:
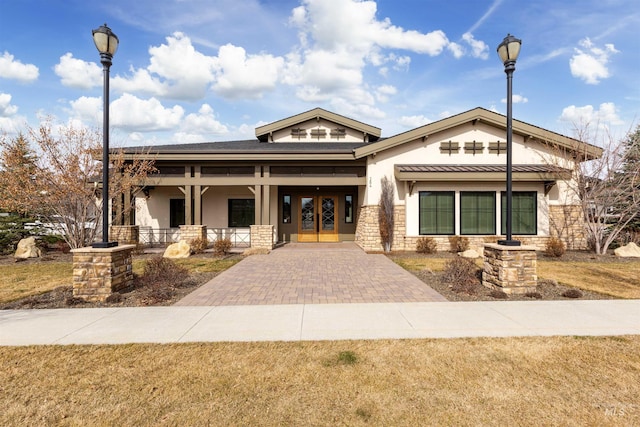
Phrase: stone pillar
(262, 236)
(511, 269)
(189, 233)
(97, 272)
(125, 234)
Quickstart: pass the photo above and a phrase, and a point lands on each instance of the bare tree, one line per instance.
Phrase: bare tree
(385, 213)
(65, 181)
(606, 187)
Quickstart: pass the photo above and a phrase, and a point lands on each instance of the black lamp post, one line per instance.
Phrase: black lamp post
(508, 51)
(107, 43)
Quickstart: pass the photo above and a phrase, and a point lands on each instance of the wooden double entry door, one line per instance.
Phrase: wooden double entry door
(318, 219)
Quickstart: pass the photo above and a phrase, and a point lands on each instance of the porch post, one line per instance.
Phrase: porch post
(258, 195)
(197, 195)
(266, 199)
(126, 214)
(188, 199)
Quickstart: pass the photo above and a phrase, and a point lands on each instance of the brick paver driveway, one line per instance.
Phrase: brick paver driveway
(312, 274)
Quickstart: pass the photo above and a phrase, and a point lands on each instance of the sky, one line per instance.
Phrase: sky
(190, 71)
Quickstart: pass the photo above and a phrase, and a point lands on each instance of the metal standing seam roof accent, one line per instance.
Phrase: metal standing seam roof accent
(481, 168)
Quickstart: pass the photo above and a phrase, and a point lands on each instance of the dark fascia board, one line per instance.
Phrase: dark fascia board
(263, 131)
(581, 149)
(248, 156)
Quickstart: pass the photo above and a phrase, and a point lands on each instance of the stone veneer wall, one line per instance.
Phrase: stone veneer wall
(368, 233)
(97, 272)
(511, 269)
(368, 230)
(125, 234)
(567, 222)
(262, 236)
(189, 233)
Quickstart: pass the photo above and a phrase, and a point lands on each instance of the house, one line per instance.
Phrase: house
(316, 177)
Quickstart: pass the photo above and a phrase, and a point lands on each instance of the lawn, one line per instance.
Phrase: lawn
(618, 278)
(19, 280)
(489, 381)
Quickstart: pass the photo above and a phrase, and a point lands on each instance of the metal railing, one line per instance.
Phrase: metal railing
(158, 237)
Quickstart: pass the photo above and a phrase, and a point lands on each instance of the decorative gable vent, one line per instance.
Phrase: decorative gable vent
(473, 147)
(449, 147)
(497, 147)
(318, 133)
(298, 133)
(338, 133)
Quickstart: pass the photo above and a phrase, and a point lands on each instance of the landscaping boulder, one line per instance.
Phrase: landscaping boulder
(181, 249)
(27, 248)
(628, 251)
(470, 253)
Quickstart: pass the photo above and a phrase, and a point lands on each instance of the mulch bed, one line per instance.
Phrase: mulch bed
(62, 297)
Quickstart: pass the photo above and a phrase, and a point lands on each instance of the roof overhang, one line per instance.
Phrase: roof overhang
(263, 131)
(580, 150)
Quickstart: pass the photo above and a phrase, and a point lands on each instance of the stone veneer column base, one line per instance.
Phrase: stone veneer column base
(511, 269)
(97, 273)
(262, 236)
(125, 234)
(189, 233)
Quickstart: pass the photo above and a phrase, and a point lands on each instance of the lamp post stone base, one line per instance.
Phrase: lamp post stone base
(511, 269)
(99, 272)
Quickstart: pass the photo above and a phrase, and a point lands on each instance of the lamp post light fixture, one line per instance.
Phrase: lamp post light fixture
(107, 43)
(508, 51)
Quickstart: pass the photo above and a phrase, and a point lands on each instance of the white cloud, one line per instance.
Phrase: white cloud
(587, 115)
(203, 122)
(414, 121)
(130, 112)
(77, 73)
(479, 49)
(590, 62)
(242, 76)
(87, 110)
(384, 92)
(516, 99)
(16, 70)
(6, 109)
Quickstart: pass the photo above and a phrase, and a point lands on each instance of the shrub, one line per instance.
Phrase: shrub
(572, 293)
(160, 278)
(199, 245)
(426, 245)
(534, 295)
(555, 247)
(462, 274)
(222, 246)
(459, 243)
(498, 294)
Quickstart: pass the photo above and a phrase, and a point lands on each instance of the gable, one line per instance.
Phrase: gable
(490, 123)
(317, 125)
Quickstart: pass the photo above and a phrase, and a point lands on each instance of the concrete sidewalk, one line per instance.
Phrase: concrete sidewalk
(297, 322)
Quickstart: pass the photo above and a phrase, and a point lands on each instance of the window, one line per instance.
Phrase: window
(241, 212)
(286, 209)
(176, 213)
(338, 133)
(318, 133)
(437, 212)
(348, 208)
(524, 208)
(498, 147)
(478, 212)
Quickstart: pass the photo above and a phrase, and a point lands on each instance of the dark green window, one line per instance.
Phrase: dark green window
(437, 212)
(524, 207)
(478, 212)
(242, 212)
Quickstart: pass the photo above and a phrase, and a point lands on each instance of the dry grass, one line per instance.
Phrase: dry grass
(23, 280)
(525, 381)
(618, 279)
